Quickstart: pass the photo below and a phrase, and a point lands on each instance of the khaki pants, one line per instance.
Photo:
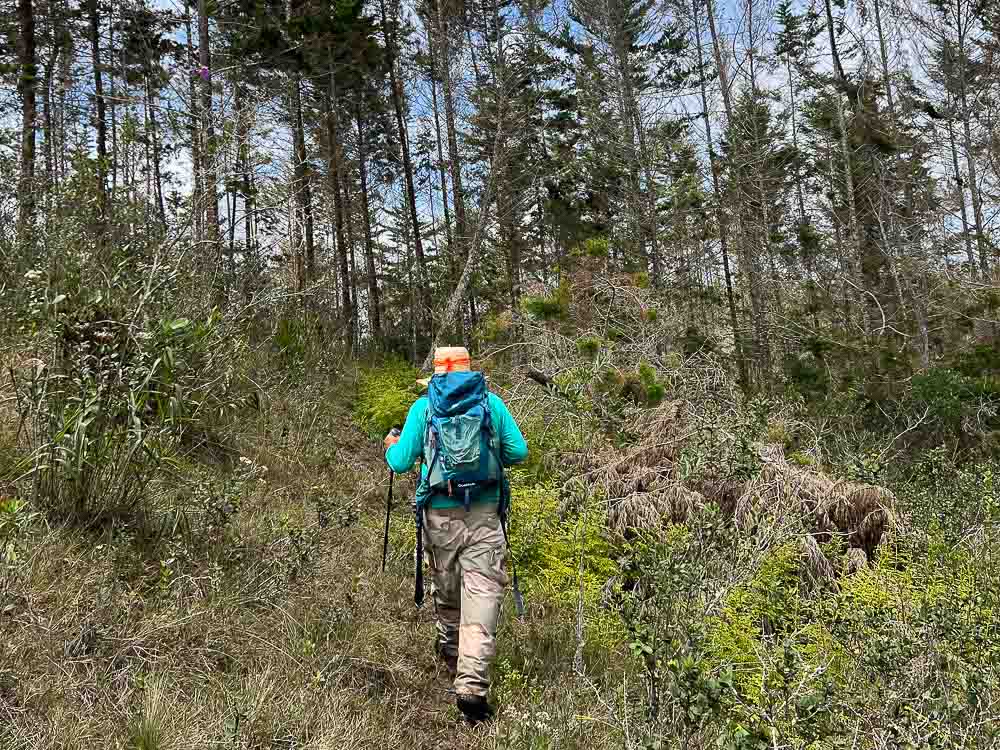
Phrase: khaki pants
(466, 551)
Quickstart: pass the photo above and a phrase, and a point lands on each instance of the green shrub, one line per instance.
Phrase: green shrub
(597, 247)
(807, 374)
(949, 398)
(550, 547)
(800, 458)
(589, 346)
(769, 603)
(385, 395)
(641, 279)
(551, 306)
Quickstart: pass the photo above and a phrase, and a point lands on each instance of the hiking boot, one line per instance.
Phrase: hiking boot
(450, 660)
(475, 708)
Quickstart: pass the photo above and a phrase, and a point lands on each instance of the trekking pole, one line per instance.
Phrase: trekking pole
(504, 517)
(418, 581)
(395, 432)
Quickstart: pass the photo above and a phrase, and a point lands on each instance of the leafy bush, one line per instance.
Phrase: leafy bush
(565, 561)
(385, 395)
(807, 374)
(551, 306)
(595, 247)
(549, 546)
(950, 399)
(589, 346)
(769, 603)
(980, 360)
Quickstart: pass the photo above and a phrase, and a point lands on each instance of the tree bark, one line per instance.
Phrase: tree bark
(497, 167)
(113, 107)
(461, 290)
(100, 116)
(966, 236)
(437, 132)
(961, 26)
(353, 268)
(157, 155)
(303, 193)
(374, 303)
(884, 58)
(842, 86)
(209, 152)
(49, 129)
(454, 159)
(26, 86)
(194, 121)
(333, 175)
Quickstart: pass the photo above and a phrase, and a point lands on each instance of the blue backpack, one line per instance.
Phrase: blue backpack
(462, 451)
(461, 446)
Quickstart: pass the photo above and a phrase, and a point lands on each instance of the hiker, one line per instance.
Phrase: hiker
(462, 508)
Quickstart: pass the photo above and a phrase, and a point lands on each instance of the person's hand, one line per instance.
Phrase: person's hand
(392, 438)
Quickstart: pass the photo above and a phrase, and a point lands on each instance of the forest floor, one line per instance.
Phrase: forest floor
(282, 634)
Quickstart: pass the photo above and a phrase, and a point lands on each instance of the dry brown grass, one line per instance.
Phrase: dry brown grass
(643, 491)
(98, 649)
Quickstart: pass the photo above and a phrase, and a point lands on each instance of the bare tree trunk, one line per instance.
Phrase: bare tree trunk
(449, 113)
(461, 290)
(720, 216)
(26, 84)
(303, 192)
(795, 141)
(845, 149)
(353, 275)
(210, 152)
(100, 118)
(157, 155)
(970, 156)
(198, 197)
(113, 103)
(750, 260)
(758, 293)
(49, 129)
(374, 303)
(437, 133)
(884, 58)
(966, 236)
(333, 174)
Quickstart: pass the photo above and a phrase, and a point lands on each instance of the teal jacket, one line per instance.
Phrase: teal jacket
(410, 447)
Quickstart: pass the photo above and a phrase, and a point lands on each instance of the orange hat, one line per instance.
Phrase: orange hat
(451, 359)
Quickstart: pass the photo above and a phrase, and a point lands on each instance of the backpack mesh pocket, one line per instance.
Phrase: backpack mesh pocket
(460, 440)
